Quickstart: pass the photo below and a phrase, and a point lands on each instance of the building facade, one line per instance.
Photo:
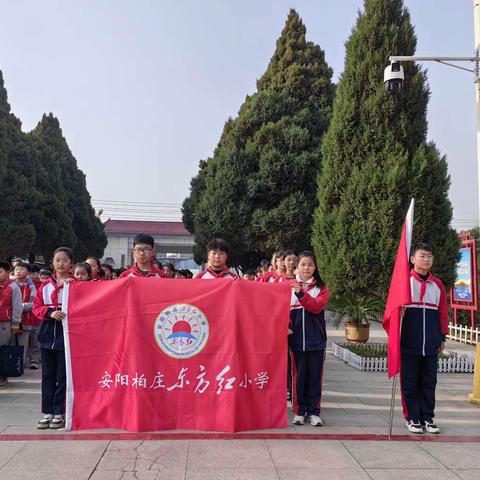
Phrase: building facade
(173, 242)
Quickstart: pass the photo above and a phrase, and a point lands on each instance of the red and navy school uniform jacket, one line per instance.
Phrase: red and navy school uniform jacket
(283, 278)
(210, 274)
(28, 292)
(307, 319)
(10, 302)
(425, 322)
(134, 271)
(48, 299)
(269, 277)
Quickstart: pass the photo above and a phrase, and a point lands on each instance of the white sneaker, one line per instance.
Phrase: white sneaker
(44, 422)
(298, 420)
(430, 427)
(58, 421)
(316, 421)
(414, 427)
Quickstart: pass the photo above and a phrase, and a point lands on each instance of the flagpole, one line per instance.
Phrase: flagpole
(392, 405)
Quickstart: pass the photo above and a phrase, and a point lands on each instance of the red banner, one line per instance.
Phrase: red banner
(160, 354)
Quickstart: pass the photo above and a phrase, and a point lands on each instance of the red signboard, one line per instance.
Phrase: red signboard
(464, 294)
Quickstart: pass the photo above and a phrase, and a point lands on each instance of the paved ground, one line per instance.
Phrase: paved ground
(355, 405)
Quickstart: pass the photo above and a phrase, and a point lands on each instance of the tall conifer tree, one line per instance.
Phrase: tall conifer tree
(259, 186)
(375, 158)
(89, 238)
(19, 198)
(52, 219)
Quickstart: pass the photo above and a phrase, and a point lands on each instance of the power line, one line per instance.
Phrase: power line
(123, 202)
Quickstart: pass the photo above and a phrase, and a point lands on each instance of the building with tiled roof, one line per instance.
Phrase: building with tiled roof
(173, 242)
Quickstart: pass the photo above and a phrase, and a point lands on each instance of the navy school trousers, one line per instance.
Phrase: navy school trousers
(54, 381)
(307, 377)
(418, 375)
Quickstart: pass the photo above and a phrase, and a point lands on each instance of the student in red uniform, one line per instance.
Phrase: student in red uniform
(34, 275)
(82, 272)
(108, 271)
(290, 262)
(217, 258)
(169, 270)
(308, 339)
(26, 337)
(249, 275)
(44, 274)
(47, 306)
(34, 356)
(10, 308)
(279, 268)
(262, 270)
(97, 270)
(143, 253)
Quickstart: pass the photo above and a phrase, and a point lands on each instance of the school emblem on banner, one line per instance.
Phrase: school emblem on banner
(181, 330)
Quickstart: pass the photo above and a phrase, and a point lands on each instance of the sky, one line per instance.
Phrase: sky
(143, 88)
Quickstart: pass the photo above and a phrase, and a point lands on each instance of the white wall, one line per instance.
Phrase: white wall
(122, 244)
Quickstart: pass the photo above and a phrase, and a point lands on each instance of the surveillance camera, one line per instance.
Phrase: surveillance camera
(393, 78)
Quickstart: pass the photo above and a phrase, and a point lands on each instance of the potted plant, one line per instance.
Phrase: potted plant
(356, 310)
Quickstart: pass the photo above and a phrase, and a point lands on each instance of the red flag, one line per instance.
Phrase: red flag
(149, 354)
(399, 294)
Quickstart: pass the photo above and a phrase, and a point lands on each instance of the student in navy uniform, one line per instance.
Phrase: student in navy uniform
(307, 340)
(424, 327)
(217, 258)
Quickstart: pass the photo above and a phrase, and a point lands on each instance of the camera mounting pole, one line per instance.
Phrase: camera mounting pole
(475, 70)
(444, 60)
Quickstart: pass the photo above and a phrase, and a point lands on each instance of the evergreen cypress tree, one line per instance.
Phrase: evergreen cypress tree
(19, 198)
(87, 228)
(52, 219)
(375, 158)
(259, 186)
(197, 187)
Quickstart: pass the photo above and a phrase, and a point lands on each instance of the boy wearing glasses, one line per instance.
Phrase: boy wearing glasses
(143, 253)
(424, 326)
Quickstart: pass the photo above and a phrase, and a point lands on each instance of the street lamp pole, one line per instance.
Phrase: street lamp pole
(476, 23)
(474, 397)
